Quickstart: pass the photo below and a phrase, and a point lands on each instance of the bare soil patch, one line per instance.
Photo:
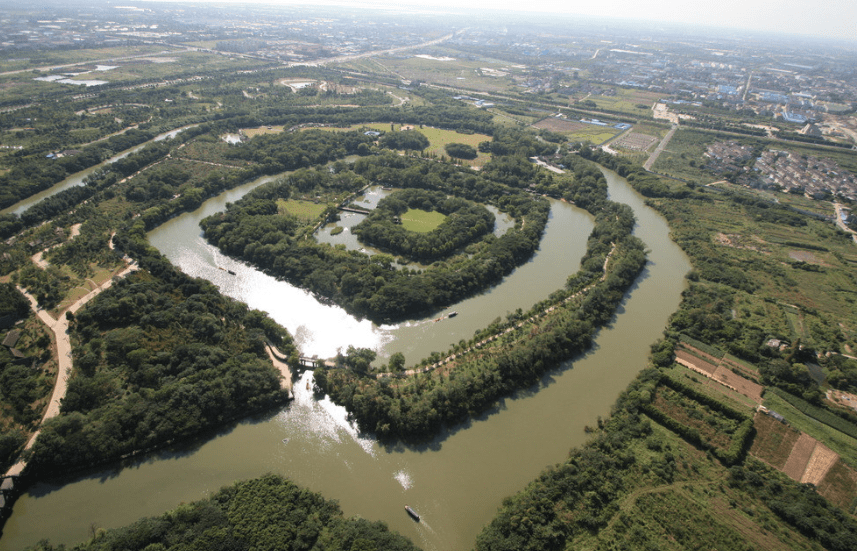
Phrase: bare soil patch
(806, 256)
(799, 457)
(843, 398)
(821, 461)
(561, 125)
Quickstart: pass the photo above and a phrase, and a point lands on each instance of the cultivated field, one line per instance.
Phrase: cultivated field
(804, 459)
(773, 441)
(719, 371)
(635, 142)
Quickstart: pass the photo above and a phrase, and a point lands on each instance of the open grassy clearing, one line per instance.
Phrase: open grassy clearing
(303, 210)
(437, 137)
(261, 130)
(177, 62)
(422, 221)
(624, 105)
(687, 146)
(456, 72)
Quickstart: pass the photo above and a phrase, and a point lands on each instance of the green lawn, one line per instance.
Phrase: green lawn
(422, 221)
(304, 210)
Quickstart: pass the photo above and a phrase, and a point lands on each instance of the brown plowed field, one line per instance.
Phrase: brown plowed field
(699, 353)
(685, 356)
(561, 125)
(744, 386)
(799, 458)
(773, 441)
(821, 461)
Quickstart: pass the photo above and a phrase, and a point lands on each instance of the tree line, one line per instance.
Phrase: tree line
(371, 286)
(269, 513)
(465, 221)
(419, 408)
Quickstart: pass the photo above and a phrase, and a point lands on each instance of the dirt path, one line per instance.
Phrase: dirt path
(282, 366)
(64, 358)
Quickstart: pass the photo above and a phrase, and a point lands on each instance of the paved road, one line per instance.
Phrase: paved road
(657, 152)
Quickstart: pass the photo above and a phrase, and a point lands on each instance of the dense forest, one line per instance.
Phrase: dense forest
(464, 222)
(269, 513)
(418, 409)
(158, 356)
(252, 229)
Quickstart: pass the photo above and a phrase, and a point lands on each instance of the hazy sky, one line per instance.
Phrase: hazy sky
(827, 18)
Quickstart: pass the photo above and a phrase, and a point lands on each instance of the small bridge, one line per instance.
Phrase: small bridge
(350, 209)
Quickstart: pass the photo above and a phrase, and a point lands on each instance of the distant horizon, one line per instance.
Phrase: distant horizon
(826, 19)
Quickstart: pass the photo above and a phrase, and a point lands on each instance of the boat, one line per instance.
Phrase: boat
(453, 314)
(307, 385)
(230, 272)
(413, 513)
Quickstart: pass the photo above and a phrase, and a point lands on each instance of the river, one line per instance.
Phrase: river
(457, 482)
(77, 178)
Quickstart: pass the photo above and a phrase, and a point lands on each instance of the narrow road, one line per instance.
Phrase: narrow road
(657, 152)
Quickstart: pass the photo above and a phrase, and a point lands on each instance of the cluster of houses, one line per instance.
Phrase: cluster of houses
(815, 177)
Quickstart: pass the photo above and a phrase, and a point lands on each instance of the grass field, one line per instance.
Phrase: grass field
(303, 210)
(686, 146)
(422, 221)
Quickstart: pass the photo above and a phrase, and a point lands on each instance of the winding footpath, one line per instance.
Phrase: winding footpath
(59, 327)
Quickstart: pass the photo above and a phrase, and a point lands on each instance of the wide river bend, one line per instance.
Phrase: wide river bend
(456, 483)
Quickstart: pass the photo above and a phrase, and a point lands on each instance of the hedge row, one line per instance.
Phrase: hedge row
(822, 415)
